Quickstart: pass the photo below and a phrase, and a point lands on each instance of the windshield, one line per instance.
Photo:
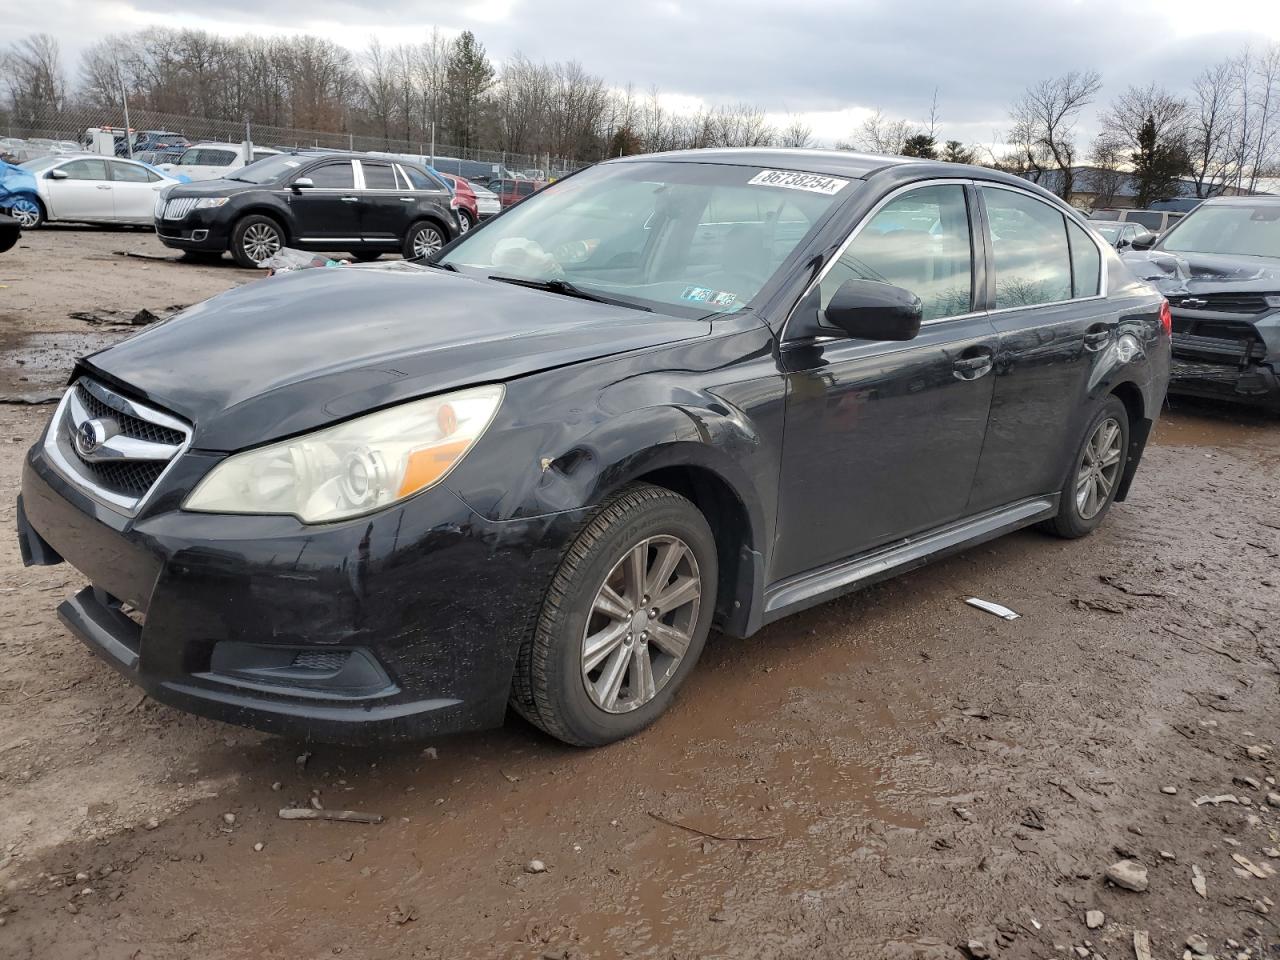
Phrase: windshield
(1108, 230)
(1238, 229)
(692, 239)
(267, 169)
(39, 163)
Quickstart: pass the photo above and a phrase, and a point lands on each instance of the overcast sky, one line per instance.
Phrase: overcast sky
(829, 62)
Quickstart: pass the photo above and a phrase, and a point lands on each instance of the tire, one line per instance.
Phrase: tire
(1085, 502)
(465, 222)
(423, 239)
(552, 676)
(253, 233)
(365, 256)
(29, 212)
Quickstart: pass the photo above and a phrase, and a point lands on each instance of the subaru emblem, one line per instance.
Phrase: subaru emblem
(90, 435)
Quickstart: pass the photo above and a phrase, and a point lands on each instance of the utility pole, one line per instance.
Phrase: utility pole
(128, 131)
(433, 143)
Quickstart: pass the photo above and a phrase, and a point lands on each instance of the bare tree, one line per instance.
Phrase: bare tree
(880, 134)
(32, 69)
(1044, 123)
(796, 133)
(1122, 123)
(1106, 178)
(1211, 129)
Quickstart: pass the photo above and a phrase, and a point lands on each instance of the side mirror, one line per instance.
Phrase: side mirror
(1144, 243)
(868, 310)
(302, 182)
(1122, 243)
(59, 175)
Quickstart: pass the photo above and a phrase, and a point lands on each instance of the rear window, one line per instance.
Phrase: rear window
(421, 180)
(378, 176)
(1151, 219)
(205, 157)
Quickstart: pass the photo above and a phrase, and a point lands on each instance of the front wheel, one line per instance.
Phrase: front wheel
(423, 240)
(28, 212)
(255, 238)
(624, 621)
(1096, 472)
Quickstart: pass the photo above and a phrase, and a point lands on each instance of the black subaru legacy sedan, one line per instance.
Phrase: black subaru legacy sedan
(665, 394)
(363, 205)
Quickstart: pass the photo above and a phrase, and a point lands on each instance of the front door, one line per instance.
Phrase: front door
(328, 211)
(1053, 325)
(133, 190)
(882, 439)
(85, 192)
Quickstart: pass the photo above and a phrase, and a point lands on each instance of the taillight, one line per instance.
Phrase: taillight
(1166, 318)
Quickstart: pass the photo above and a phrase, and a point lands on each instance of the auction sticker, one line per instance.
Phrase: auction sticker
(812, 182)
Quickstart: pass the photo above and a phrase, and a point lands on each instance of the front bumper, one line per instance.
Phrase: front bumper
(1226, 357)
(198, 230)
(396, 626)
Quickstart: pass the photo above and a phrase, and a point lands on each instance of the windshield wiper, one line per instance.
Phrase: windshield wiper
(567, 289)
(440, 266)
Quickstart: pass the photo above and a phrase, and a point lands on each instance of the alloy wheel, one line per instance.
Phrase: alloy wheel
(26, 212)
(426, 242)
(261, 241)
(464, 222)
(1099, 468)
(641, 624)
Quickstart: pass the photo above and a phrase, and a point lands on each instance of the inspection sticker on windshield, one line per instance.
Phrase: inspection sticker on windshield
(812, 182)
(716, 298)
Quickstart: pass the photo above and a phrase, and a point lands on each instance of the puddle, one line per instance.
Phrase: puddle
(34, 367)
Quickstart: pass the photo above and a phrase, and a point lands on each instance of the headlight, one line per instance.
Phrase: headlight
(205, 203)
(356, 467)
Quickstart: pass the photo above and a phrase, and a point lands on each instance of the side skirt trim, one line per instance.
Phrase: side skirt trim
(817, 586)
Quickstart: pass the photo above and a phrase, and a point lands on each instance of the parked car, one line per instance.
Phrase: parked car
(161, 155)
(18, 196)
(1157, 221)
(159, 140)
(314, 201)
(487, 202)
(10, 232)
(669, 391)
(1121, 235)
(85, 188)
(1220, 269)
(464, 202)
(511, 190)
(212, 161)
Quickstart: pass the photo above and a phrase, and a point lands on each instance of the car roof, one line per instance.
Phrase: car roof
(1241, 201)
(835, 163)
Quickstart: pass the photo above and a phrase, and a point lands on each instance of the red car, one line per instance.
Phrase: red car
(463, 202)
(513, 191)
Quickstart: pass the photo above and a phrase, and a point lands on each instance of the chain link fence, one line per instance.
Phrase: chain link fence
(70, 127)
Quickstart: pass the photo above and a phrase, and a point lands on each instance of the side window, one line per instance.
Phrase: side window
(1086, 262)
(85, 170)
(378, 176)
(919, 241)
(129, 173)
(1029, 250)
(338, 176)
(420, 180)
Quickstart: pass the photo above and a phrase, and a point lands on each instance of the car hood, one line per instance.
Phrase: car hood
(216, 187)
(284, 355)
(1179, 273)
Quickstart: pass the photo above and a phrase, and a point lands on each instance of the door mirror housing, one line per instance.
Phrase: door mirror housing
(1123, 242)
(301, 183)
(59, 175)
(1144, 243)
(869, 310)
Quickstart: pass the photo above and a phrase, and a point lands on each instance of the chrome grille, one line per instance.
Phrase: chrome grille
(179, 207)
(1241, 302)
(112, 446)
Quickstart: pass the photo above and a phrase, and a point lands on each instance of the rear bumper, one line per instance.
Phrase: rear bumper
(414, 614)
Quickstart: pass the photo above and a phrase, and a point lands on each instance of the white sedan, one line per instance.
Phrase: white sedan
(93, 189)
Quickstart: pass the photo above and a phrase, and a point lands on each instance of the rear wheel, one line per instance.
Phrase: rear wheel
(28, 211)
(624, 621)
(1096, 473)
(423, 240)
(255, 239)
(465, 223)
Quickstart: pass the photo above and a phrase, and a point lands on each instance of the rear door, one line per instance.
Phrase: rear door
(882, 439)
(85, 193)
(1054, 322)
(328, 211)
(133, 191)
(386, 206)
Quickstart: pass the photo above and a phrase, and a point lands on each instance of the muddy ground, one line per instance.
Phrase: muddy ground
(887, 776)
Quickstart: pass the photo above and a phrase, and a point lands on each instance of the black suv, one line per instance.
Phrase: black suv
(709, 387)
(365, 206)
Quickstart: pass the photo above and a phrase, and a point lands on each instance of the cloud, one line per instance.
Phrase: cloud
(829, 63)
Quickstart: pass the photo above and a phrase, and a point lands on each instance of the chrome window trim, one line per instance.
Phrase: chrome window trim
(129, 506)
(947, 181)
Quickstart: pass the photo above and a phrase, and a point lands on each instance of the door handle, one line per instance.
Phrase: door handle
(973, 367)
(104, 186)
(407, 199)
(1098, 336)
(348, 199)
